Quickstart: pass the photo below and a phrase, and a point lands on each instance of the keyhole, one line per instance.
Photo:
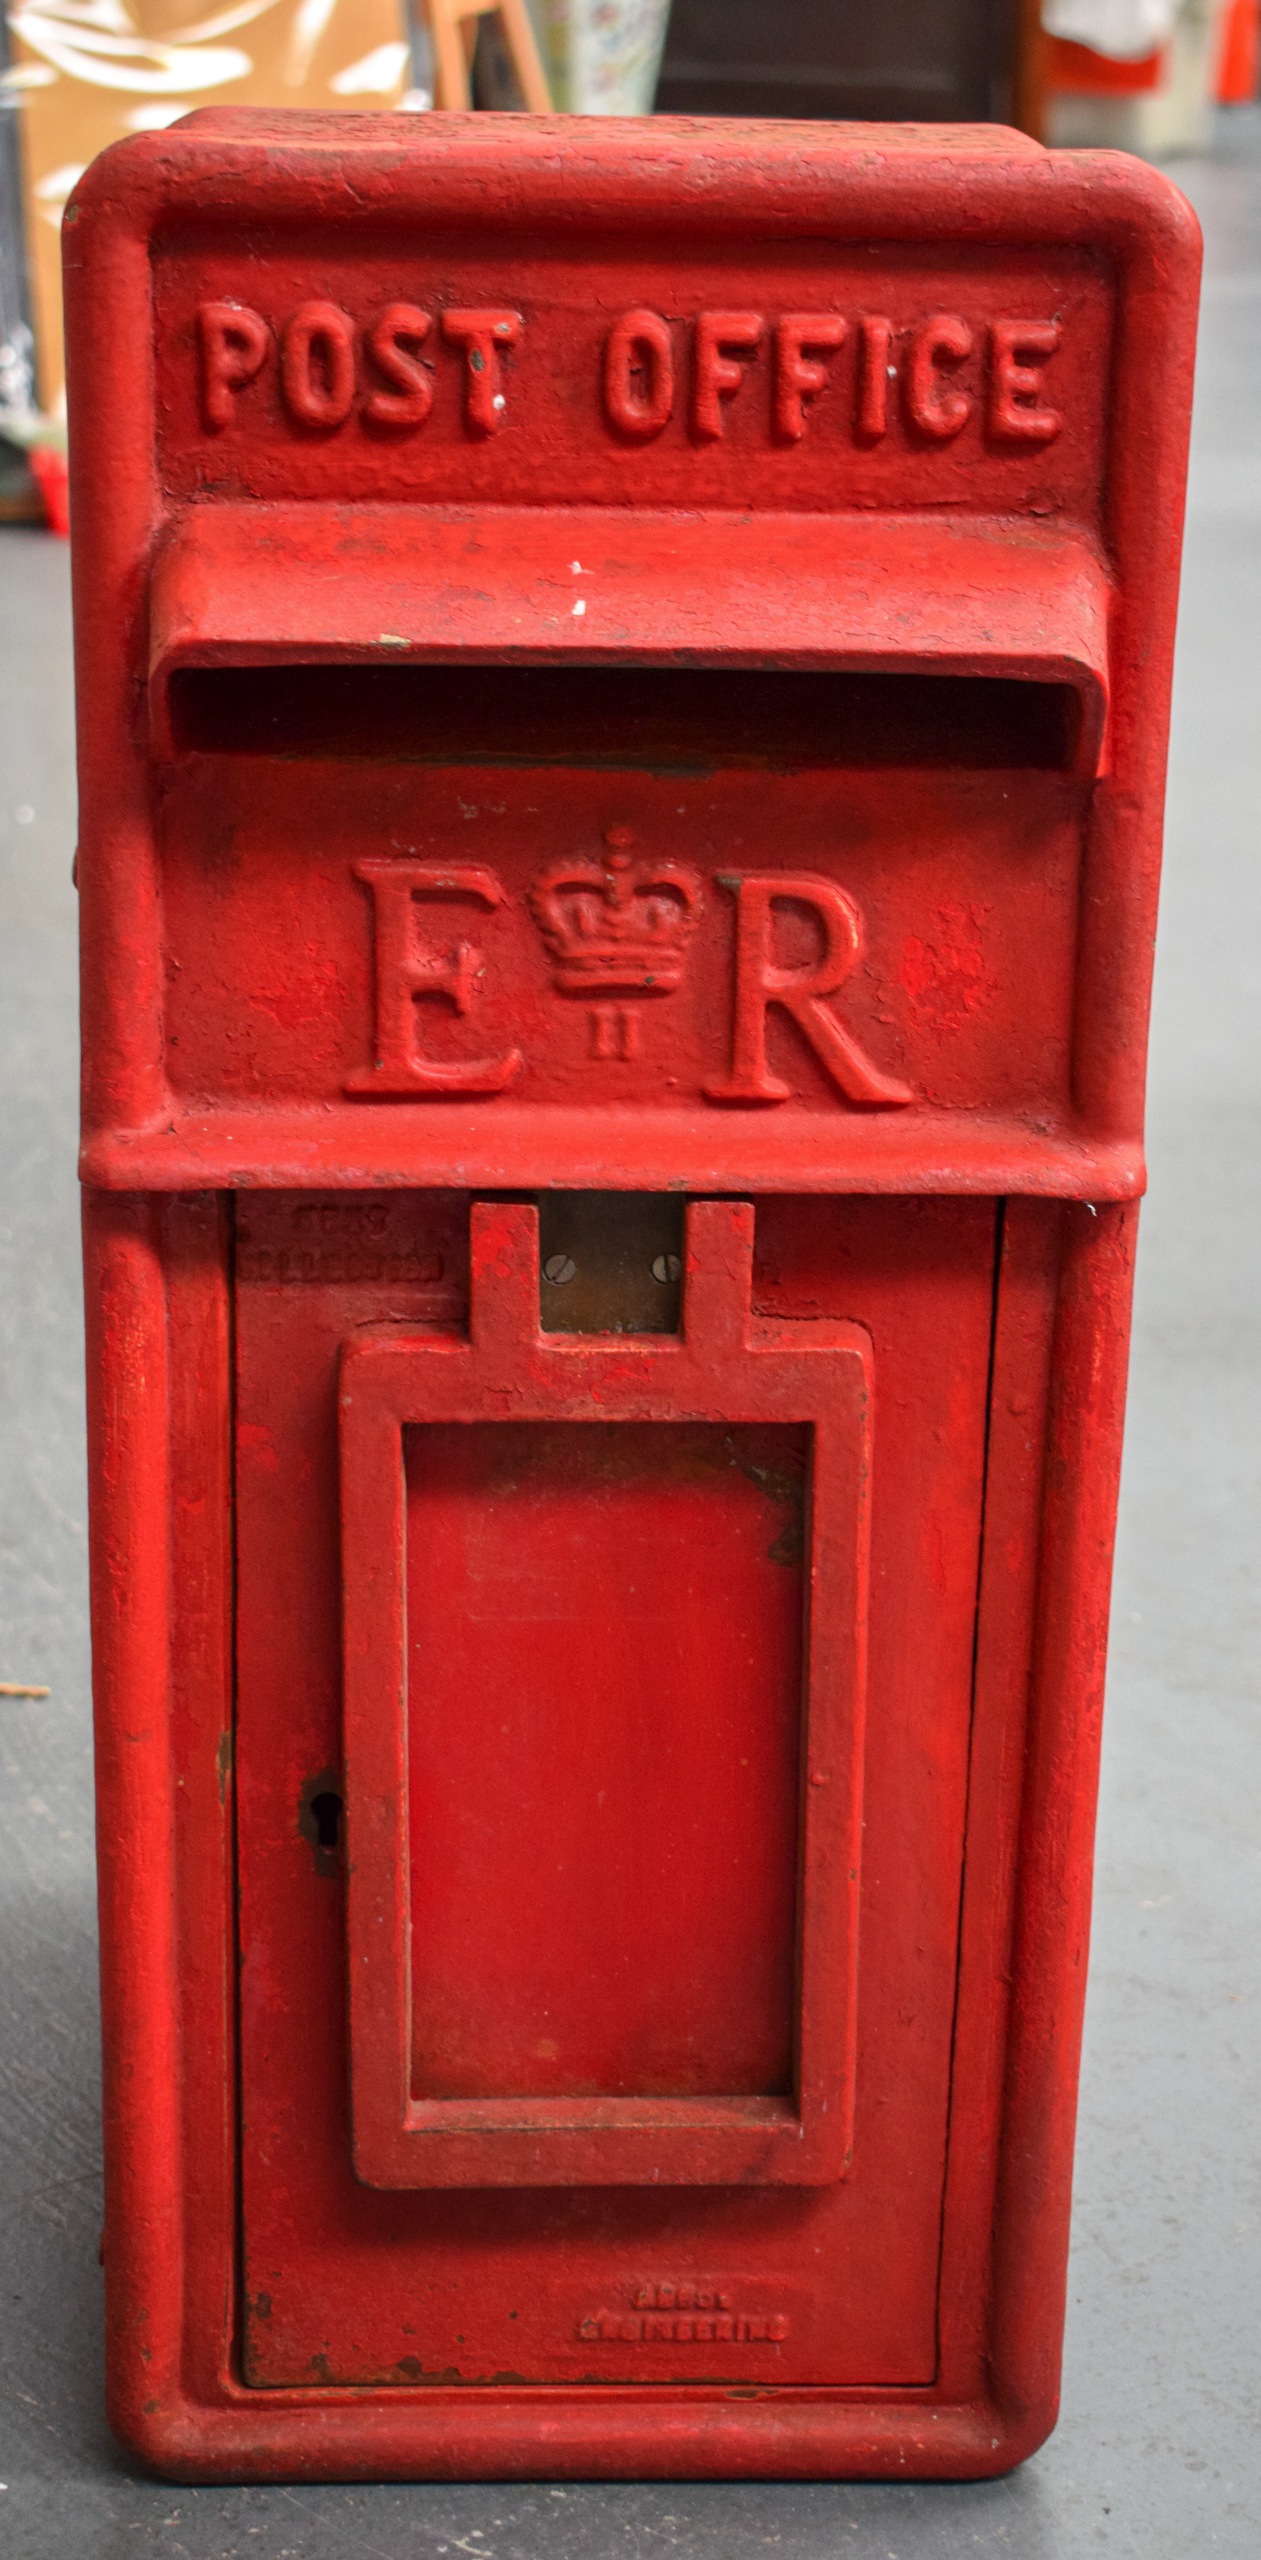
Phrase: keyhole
(326, 1814)
(320, 1810)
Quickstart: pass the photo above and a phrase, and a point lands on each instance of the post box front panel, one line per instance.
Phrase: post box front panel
(831, 2283)
(736, 942)
(751, 921)
(915, 406)
(807, 916)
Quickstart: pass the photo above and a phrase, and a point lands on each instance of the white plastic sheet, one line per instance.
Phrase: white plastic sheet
(1124, 30)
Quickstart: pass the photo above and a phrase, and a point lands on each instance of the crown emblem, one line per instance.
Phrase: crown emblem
(617, 926)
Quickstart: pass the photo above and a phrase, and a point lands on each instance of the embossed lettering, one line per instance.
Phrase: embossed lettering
(482, 334)
(717, 377)
(800, 338)
(639, 374)
(935, 410)
(404, 975)
(614, 1030)
(640, 388)
(301, 1265)
(761, 981)
(234, 344)
(871, 416)
(664, 2316)
(1016, 382)
(708, 2297)
(393, 338)
(317, 365)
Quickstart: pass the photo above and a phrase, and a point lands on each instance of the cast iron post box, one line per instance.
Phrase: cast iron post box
(623, 679)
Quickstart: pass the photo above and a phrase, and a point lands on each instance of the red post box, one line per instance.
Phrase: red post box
(623, 679)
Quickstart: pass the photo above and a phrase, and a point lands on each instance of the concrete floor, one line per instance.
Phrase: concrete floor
(1158, 2453)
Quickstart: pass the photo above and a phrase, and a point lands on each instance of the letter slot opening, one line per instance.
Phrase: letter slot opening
(664, 718)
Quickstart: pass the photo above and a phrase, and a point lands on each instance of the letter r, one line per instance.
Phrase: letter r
(761, 981)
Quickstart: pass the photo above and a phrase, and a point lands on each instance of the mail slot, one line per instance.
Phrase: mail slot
(623, 677)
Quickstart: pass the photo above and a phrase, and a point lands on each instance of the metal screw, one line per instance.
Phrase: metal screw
(666, 1269)
(559, 1269)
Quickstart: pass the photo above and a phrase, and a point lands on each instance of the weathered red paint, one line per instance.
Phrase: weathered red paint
(612, 659)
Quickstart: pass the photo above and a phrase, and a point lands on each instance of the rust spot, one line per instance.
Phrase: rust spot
(945, 973)
(785, 1486)
(790, 1546)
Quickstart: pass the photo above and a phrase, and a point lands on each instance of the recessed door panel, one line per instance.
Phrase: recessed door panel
(604, 1676)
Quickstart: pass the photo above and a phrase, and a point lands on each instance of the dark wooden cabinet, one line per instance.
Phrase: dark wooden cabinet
(934, 61)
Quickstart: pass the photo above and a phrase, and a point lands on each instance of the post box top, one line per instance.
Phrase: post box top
(864, 445)
(707, 168)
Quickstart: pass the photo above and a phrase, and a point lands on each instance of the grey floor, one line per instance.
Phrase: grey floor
(1158, 2453)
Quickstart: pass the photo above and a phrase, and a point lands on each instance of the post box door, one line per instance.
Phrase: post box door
(580, 1572)
(598, 1948)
